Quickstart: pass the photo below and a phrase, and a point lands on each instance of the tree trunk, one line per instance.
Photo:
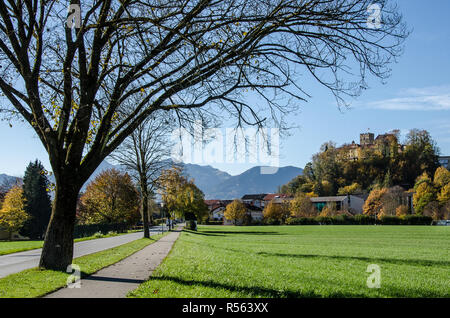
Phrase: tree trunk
(57, 252)
(144, 205)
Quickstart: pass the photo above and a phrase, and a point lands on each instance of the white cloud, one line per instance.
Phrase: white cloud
(417, 99)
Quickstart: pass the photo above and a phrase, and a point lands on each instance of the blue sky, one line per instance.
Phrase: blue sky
(417, 95)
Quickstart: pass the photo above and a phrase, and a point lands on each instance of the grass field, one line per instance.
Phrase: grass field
(35, 282)
(8, 247)
(304, 261)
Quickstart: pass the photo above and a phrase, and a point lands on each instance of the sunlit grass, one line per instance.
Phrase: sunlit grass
(304, 261)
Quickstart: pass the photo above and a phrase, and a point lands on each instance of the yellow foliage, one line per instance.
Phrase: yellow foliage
(401, 211)
(277, 211)
(235, 211)
(12, 214)
(374, 203)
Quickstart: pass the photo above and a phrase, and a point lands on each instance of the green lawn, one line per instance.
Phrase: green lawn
(304, 261)
(35, 282)
(8, 247)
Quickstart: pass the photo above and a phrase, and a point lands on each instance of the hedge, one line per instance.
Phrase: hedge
(361, 220)
(104, 228)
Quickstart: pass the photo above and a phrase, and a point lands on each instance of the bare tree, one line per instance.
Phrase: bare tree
(145, 153)
(198, 57)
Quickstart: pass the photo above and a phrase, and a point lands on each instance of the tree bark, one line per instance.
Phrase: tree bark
(57, 252)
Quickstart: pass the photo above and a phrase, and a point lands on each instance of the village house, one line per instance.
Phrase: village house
(277, 198)
(254, 199)
(351, 203)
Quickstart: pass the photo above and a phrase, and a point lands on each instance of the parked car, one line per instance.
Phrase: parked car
(443, 222)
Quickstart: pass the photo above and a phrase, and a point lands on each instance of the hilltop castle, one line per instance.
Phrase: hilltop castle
(386, 145)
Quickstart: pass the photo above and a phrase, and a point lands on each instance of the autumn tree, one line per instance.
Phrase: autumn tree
(110, 198)
(12, 213)
(145, 153)
(301, 206)
(74, 75)
(354, 188)
(424, 194)
(38, 203)
(235, 211)
(277, 211)
(191, 200)
(374, 202)
(180, 195)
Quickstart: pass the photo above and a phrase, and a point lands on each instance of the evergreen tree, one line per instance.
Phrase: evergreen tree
(38, 203)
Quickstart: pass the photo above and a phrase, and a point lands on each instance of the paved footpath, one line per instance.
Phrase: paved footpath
(117, 280)
(16, 262)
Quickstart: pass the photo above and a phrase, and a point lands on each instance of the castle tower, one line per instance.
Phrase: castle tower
(366, 139)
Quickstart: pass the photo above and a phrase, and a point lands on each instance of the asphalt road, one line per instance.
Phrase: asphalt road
(16, 262)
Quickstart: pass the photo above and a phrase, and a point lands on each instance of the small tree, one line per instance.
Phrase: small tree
(110, 198)
(301, 206)
(235, 211)
(145, 154)
(425, 193)
(374, 203)
(12, 214)
(276, 211)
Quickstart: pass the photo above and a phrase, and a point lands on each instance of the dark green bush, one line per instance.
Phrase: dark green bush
(390, 220)
(362, 219)
(270, 221)
(324, 220)
(90, 229)
(417, 220)
(301, 221)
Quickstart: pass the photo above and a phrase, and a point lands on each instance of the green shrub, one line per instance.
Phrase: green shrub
(301, 221)
(98, 235)
(343, 219)
(86, 230)
(417, 220)
(390, 220)
(362, 219)
(271, 221)
(324, 220)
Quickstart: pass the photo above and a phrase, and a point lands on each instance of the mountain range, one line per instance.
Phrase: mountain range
(217, 184)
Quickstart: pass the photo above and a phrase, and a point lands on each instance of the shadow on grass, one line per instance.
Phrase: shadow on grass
(254, 291)
(201, 233)
(243, 232)
(417, 262)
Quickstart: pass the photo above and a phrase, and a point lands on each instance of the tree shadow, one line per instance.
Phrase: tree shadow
(245, 232)
(417, 262)
(254, 291)
(201, 233)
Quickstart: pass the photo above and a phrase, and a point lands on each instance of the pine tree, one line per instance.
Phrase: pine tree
(38, 203)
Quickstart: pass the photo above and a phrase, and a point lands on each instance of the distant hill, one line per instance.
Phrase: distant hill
(8, 181)
(205, 177)
(217, 184)
(251, 182)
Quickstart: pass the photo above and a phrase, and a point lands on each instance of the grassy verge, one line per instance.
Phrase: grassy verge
(35, 282)
(304, 261)
(8, 247)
